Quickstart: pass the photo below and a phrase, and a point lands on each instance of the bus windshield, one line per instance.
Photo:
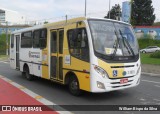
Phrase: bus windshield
(113, 38)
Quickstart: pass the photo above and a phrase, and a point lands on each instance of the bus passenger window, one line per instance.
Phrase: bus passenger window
(79, 46)
(40, 38)
(36, 39)
(54, 42)
(26, 40)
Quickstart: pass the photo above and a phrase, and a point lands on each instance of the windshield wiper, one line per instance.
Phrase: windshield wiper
(115, 46)
(128, 44)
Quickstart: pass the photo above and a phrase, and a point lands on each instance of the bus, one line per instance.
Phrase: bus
(86, 54)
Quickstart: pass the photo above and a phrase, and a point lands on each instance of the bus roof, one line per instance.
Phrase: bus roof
(108, 20)
(64, 22)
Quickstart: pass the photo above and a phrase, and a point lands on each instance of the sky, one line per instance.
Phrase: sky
(40, 10)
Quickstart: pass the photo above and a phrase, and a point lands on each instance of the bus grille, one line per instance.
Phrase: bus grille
(122, 66)
(119, 82)
(121, 86)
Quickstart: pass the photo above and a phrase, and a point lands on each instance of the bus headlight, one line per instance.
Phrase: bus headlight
(100, 71)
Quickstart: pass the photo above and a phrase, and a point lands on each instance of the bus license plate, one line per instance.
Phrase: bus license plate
(124, 80)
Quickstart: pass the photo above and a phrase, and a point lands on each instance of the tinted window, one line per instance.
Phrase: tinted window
(54, 42)
(40, 38)
(26, 40)
(61, 37)
(79, 46)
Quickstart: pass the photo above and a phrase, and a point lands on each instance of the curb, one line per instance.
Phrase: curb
(150, 74)
(36, 96)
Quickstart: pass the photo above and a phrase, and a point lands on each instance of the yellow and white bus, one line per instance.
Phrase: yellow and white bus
(90, 54)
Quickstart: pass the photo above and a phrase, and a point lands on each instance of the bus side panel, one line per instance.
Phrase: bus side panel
(13, 54)
(45, 70)
(36, 56)
(25, 58)
(12, 58)
(45, 58)
(80, 68)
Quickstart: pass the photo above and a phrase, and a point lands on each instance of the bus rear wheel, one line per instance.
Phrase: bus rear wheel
(74, 86)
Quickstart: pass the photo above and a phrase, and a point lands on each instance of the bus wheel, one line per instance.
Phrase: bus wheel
(74, 86)
(28, 76)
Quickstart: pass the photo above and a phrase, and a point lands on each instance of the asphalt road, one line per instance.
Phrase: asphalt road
(147, 93)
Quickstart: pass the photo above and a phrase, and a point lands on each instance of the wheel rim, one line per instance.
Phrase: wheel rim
(74, 85)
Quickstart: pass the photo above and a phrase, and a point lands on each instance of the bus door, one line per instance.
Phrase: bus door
(17, 51)
(56, 67)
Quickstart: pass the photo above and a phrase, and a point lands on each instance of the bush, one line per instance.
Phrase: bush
(155, 55)
(145, 42)
(3, 44)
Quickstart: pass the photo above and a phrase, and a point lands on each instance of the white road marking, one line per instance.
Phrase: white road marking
(151, 81)
(33, 95)
(157, 85)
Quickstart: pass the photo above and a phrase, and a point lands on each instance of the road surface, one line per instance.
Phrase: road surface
(147, 93)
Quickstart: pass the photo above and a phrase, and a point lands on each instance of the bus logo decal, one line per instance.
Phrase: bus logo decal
(124, 73)
(34, 54)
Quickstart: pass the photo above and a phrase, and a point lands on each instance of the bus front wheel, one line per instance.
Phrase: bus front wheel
(74, 86)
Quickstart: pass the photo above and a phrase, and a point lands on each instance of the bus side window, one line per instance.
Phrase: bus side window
(79, 46)
(26, 40)
(40, 38)
(12, 41)
(36, 39)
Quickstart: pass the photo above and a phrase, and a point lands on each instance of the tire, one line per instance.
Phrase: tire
(27, 75)
(74, 86)
(143, 51)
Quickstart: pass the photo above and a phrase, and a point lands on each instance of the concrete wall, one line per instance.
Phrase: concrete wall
(153, 31)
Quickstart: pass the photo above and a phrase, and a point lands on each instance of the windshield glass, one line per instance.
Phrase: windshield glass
(113, 38)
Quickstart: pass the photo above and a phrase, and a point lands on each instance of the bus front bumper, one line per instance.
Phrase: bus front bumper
(115, 84)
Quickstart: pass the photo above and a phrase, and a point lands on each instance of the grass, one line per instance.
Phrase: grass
(3, 57)
(146, 59)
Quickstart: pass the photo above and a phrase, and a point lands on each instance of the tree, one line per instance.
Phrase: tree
(45, 22)
(115, 12)
(156, 24)
(142, 12)
(2, 44)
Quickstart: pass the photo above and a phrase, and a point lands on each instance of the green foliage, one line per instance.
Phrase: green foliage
(146, 59)
(147, 41)
(115, 12)
(45, 22)
(3, 44)
(155, 55)
(156, 24)
(142, 13)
